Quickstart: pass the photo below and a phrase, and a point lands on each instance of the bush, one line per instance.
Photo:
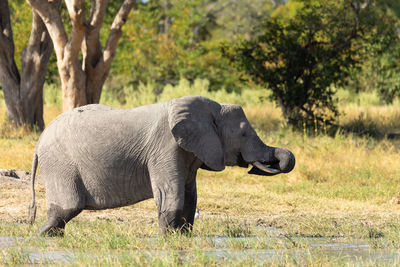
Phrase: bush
(165, 43)
(130, 96)
(364, 99)
(301, 56)
(52, 94)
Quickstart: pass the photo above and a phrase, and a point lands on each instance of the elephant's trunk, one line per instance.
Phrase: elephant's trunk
(286, 159)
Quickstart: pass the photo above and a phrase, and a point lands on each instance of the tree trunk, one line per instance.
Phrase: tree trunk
(282, 105)
(34, 59)
(82, 82)
(73, 85)
(24, 94)
(94, 83)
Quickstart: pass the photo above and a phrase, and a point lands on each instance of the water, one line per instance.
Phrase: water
(356, 251)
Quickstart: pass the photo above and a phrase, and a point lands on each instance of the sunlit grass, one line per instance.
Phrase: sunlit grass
(17, 145)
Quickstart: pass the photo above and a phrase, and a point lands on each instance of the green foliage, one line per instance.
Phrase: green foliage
(394, 6)
(300, 57)
(149, 93)
(52, 94)
(235, 19)
(21, 20)
(362, 98)
(165, 41)
(388, 79)
(379, 74)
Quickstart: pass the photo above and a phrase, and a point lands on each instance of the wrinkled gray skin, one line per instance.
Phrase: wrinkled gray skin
(97, 157)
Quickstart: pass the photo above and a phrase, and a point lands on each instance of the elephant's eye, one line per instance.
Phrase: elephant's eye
(243, 129)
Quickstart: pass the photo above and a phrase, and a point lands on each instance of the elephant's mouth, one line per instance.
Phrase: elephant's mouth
(264, 169)
(259, 168)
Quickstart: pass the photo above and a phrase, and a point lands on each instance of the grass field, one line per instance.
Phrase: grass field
(344, 186)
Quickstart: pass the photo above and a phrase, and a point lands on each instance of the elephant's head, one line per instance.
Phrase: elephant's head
(220, 135)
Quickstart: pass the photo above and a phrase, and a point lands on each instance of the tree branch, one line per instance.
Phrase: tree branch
(50, 15)
(97, 12)
(115, 33)
(92, 39)
(98, 65)
(77, 16)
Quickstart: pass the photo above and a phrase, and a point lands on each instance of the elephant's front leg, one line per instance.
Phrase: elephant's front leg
(169, 195)
(189, 207)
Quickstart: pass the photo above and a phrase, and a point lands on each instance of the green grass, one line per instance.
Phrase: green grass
(344, 186)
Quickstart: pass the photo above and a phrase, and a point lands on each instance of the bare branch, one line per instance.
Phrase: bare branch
(50, 15)
(97, 12)
(76, 13)
(115, 33)
(92, 56)
(98, 64)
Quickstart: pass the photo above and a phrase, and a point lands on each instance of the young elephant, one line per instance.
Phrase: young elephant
(97, 157)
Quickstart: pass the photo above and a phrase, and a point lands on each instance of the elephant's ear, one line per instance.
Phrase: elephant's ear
(192, 123)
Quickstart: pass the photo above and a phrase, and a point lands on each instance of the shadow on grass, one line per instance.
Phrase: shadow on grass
(375, 123)
(374, 127)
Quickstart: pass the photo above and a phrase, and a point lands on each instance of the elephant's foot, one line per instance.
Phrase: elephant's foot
(57, 219)
(50, 230)
(171, 222)
(187, 227)
(53, 227)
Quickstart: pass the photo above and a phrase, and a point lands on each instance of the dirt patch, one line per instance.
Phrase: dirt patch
(17, 177)
(15, 197)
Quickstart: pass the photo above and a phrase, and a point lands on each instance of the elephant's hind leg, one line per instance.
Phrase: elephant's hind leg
(57, 218)
(66, 198)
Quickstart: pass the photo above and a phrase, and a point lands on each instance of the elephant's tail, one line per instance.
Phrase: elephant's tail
(32, 207)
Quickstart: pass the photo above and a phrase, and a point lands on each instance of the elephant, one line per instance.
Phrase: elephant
(98, 157)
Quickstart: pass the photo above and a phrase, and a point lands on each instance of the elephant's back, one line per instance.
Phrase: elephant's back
(97, 124)
(55, 133)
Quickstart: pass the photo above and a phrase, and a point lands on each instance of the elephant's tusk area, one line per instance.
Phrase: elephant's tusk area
(262, 167)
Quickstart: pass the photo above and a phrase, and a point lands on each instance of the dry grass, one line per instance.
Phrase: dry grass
(344, 185)
(376, 121)
(342, 167)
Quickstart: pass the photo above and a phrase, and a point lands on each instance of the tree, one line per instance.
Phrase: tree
(23, 92)
(82, 82)
(301, 56)
(168, 40)
(388, 65)
(378, 73)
